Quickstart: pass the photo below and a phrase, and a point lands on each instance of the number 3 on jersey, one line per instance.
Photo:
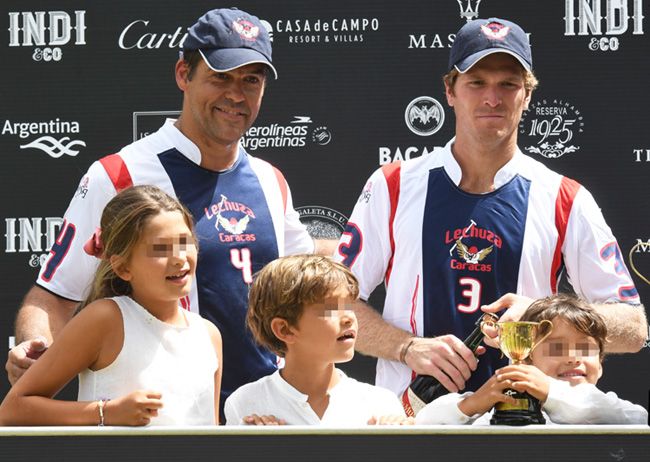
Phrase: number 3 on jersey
(241, 259)
(472, 292)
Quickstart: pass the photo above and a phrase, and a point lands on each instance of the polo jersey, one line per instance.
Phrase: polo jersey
(244, 218)
(443, 252)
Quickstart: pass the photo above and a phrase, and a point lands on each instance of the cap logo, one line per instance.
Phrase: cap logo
(246, 29)
(495, 30)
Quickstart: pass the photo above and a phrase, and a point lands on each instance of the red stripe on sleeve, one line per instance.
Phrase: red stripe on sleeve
(392, 174)
(117, 171)
(563, 204)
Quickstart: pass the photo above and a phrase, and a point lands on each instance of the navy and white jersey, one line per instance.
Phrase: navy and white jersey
(443, 252)
(244, 218)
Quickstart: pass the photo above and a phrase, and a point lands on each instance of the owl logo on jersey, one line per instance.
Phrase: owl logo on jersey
(234, 224)
(472, 254)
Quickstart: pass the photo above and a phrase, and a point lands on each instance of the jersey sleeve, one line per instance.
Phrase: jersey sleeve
(365, 243)
(595, 265)
(68, 270)
(296, 238)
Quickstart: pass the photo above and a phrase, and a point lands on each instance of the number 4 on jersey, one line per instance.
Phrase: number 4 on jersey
(59, 250)
(241, 259)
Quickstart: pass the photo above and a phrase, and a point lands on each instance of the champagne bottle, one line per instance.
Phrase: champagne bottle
(425, 388)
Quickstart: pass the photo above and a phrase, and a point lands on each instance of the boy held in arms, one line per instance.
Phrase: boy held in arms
(300, 308)
(563, 374)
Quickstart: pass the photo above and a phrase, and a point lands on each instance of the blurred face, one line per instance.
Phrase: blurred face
(489, 99)
(162, 265)
(218, 107)
(327, 331)
(569, 355)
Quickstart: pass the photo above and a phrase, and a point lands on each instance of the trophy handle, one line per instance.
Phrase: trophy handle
(488, 319)
(545, 336)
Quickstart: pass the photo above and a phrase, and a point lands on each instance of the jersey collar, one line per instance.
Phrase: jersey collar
(503, 176)
(190, 150)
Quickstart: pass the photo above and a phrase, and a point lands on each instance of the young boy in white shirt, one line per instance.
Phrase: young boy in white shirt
(300, 308)
(563, 374)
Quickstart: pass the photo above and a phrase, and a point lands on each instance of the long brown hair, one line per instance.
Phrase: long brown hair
(123, 221)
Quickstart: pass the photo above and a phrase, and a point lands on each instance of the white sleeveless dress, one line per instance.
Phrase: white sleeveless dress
(178, 362)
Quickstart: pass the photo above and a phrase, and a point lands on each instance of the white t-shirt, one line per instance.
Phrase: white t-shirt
(179, 362)
(351, 404)
(578, 405)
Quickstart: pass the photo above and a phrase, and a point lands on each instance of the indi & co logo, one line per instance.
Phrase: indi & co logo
(47, 32)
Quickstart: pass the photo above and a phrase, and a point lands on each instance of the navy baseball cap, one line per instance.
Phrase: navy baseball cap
(229, 38)
(482, 37)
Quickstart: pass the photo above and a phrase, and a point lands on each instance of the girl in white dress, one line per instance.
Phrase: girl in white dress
(141, 358)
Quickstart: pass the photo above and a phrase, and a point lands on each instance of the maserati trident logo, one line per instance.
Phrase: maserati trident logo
(424, 116)
(470, 10)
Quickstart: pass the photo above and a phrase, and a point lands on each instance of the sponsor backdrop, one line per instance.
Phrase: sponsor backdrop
(359, 86)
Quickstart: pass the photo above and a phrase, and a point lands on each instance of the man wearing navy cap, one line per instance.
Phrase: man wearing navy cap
(241, 205)
(478, 226)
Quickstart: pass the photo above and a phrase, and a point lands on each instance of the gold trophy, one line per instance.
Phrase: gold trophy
(517, 341)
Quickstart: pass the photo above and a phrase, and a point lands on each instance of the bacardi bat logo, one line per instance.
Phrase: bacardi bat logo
(424, 116)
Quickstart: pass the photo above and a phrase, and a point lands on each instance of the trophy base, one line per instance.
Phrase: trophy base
(527, 411)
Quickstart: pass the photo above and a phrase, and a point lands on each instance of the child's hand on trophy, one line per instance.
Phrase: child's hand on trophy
(484, 399)
(525, 378)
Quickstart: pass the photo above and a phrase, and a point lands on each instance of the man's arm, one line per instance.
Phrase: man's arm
(627, 327)
(40, 319)
(446, 357)
(325, 246)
